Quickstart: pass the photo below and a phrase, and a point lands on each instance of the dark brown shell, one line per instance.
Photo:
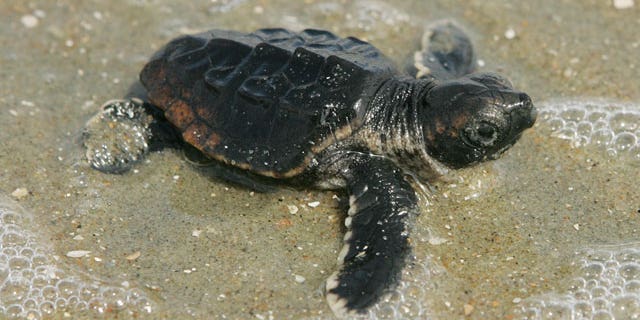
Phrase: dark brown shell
(265, 101)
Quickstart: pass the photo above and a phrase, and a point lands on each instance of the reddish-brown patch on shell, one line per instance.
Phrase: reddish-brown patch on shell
(211, 143)
(197, 134)
(154, 78)
(180, 114)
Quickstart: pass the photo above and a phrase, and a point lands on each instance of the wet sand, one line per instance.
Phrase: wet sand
(489, 238)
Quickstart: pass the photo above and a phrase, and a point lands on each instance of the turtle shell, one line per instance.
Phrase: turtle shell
(266, 101)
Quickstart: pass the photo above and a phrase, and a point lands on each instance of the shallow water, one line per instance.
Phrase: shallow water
(549, 230)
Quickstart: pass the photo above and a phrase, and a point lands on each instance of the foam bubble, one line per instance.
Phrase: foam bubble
(607, 286)
(33, 285)
(613, 126)
(407, 301)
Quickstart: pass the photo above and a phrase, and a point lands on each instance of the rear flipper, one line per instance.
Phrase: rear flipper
(376, 244)
(446, 53)
(123, 132)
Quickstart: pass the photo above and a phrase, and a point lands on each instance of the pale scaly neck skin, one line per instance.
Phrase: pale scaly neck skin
(392, 127)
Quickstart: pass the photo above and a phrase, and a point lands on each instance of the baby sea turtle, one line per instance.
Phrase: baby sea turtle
(312, 108)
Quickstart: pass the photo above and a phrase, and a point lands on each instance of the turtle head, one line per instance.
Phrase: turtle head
(474, 118)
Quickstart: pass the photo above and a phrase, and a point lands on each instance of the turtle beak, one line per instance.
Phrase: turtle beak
(523, 114)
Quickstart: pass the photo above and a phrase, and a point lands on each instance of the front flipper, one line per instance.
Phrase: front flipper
(376, 244)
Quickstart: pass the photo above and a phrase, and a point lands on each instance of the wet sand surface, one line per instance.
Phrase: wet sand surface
(174, 242)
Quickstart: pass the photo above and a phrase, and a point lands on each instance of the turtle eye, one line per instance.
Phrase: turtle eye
(483, 134)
